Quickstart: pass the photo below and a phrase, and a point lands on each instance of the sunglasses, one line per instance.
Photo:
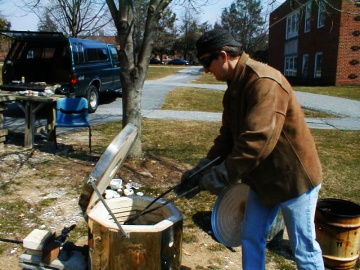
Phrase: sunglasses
(206, 61)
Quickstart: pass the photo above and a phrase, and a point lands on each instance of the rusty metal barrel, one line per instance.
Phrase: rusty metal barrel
(338, 232)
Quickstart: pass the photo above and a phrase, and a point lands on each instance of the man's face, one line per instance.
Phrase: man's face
(215, 63)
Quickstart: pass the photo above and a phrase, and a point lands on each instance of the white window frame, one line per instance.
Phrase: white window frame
(290, 68)
(307, 26)
(321, 14)
(305, 66)
(292, 25)
(318, 65)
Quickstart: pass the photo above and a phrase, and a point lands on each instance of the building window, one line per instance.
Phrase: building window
(318, 64)
(307, 17)
(290, 66)
(321, 13)
(305, 66)
(292, 25)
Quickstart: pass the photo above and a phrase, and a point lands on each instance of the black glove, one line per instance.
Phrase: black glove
(215, 180)
(190, 180)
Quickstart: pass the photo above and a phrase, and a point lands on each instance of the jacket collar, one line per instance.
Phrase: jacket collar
(233, 85)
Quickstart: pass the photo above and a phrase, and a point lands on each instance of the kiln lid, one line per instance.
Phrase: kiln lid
(228, 213)
(107, 166)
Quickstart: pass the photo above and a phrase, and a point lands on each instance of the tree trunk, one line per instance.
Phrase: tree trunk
(132, 112)
(133, 70)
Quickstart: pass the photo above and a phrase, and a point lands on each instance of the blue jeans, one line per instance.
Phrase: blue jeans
(298, 216)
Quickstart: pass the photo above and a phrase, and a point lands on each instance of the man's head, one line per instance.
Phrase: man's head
(214, 40)
(218, 51)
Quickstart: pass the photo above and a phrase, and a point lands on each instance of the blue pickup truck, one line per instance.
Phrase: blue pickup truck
(40, 61)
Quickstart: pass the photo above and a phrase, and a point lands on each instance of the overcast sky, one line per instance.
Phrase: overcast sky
(24, 22)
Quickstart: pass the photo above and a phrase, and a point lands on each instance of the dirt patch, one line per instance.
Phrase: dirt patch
(50, 185)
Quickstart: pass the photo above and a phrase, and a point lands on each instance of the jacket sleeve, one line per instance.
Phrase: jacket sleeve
(260, 127)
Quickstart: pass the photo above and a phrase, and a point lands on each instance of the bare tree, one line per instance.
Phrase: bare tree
(190, 30)
(133, 70)
(73, 17)
(48, 25)
(134, 67)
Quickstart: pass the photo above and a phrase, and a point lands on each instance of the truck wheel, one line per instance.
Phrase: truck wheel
(93, 98)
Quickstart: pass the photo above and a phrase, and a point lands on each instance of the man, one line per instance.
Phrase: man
(264, 141)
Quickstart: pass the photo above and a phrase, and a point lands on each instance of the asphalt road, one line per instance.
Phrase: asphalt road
(155, 91)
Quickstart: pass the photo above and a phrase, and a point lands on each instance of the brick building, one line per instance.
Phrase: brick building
(316, 42)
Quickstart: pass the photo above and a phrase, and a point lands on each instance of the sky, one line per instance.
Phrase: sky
(21, 21)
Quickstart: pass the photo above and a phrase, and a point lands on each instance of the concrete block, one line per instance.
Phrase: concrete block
(34, 252)
(36, 239)
(75, 262)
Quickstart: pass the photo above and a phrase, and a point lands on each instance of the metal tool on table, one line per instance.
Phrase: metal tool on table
(146, 210)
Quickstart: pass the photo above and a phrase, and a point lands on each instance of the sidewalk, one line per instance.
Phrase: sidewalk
(347, 110)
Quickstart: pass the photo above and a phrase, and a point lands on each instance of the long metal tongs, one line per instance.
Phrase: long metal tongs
(146, 210)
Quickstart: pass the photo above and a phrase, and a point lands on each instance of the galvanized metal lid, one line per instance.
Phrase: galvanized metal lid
(228, 214)
(107, 166)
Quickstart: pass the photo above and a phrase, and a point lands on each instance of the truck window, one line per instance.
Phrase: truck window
(96, 54)
(78, 53)
(40, 52)
(17, 50)
(115, 54)
(30, 54)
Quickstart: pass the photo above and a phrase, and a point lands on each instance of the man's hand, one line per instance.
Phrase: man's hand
(191, 179)
(215, 180)
(186, 186)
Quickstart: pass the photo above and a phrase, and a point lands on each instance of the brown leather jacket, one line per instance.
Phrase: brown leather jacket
(264, 138)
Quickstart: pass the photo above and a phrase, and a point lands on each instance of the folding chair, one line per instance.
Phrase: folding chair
(72, 113)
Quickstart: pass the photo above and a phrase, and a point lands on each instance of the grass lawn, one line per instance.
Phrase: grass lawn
(351, 92)
(161, 71)
(338, 150)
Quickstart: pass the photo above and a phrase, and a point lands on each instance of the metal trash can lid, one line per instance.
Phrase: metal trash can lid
(107, 166)
(228, 214)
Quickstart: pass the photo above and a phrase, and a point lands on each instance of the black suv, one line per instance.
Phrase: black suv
(42, 61)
